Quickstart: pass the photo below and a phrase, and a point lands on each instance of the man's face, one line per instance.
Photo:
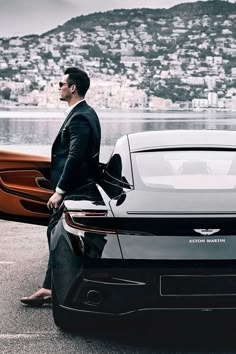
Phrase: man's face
(65, 90)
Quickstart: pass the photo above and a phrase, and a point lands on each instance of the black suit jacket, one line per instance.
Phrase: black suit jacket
(75, 151)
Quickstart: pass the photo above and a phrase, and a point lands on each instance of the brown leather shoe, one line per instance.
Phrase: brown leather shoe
(38, 301)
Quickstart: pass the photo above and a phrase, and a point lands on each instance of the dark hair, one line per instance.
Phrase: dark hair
(79, 78)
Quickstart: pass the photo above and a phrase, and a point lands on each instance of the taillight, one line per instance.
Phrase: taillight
(91, 221)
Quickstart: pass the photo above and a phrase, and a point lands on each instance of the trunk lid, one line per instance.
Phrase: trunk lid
(168, 225)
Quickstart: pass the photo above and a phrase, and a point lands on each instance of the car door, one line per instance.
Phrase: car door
(24, 187)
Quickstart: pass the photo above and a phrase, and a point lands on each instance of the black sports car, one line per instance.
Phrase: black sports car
(157, 230)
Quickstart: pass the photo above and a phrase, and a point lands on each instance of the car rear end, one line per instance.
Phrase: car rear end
(168, 243)
(182, 217)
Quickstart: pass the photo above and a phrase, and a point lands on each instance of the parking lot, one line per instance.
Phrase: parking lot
(23, 258)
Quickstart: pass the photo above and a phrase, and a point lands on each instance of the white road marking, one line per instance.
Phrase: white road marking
(6, 262)
(25, 335)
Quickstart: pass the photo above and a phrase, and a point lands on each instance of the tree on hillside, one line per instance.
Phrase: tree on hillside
(6, 93)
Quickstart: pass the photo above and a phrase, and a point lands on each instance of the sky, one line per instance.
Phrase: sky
(22, 17)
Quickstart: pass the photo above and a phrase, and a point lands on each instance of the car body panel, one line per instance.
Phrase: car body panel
(24, 187)
(178, 247)
(72, 253)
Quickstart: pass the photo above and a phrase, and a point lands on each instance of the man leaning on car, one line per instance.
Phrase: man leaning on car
(74, 157)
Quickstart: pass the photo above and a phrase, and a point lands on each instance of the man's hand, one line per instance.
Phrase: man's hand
(55, 201)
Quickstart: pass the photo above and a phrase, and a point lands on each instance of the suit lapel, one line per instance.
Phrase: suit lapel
(78, 106)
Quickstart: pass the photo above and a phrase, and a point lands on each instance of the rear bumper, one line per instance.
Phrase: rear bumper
(146, 311)
(120, 291)
(116, 287)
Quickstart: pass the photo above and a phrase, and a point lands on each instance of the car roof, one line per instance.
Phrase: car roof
(182, 138)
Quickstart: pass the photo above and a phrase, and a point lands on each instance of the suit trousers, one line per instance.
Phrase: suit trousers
(56, 214)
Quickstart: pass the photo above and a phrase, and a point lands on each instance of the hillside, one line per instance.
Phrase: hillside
(182, 53)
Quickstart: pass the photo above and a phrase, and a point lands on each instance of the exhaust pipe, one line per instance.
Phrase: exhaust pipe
(94, 298)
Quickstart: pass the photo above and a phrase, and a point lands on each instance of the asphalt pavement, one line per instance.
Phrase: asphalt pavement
(23, 259)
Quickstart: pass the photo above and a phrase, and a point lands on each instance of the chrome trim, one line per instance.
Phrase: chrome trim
(207, 232)
(184, 214)
(120, 284)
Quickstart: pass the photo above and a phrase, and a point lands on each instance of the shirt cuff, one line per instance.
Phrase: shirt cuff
(60, 191)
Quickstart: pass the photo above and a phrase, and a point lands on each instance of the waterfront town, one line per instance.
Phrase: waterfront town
(141, 58)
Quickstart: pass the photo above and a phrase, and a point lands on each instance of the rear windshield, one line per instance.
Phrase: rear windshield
(185, 169)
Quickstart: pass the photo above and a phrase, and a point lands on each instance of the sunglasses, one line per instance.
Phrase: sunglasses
(62, 84)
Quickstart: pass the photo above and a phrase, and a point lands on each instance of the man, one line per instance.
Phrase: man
(74, 157)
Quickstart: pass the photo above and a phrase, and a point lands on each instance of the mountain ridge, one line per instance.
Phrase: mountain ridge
(178, 54)
(186, 10)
